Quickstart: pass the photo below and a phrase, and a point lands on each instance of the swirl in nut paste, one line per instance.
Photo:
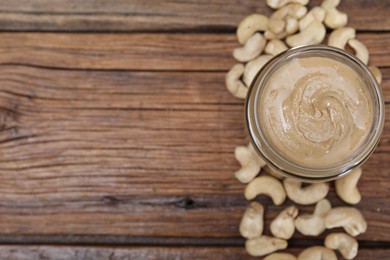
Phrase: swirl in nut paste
(315, 111)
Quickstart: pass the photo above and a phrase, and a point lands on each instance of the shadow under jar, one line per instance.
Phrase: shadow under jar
(314, 113)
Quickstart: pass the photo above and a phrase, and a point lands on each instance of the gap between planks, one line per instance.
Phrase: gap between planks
(72, 240)
(58, 68)
(195, 31)
(189, 71)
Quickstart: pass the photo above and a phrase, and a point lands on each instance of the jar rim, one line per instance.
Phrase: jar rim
(291, 169)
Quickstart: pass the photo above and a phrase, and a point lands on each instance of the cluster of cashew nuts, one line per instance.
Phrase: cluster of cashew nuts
(290, 25)
(284, 225)
(264, 37)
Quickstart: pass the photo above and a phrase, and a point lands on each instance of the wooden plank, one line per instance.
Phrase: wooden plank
(200, 52)
(160, 253)
(153, 15)
(135, 153)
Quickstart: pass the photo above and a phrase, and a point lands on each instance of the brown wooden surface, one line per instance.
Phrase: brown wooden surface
(114, 138)
(152, 253)
(143, 51)
(155, 15)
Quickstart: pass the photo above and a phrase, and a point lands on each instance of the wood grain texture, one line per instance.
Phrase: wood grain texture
(152, 15)
(184, 52)
(123, 143)
(135, 153)
(150, 253)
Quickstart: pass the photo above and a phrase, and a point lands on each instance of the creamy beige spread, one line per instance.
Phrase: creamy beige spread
(315, 111)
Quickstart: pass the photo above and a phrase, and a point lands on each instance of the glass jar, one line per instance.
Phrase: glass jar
(276, 158)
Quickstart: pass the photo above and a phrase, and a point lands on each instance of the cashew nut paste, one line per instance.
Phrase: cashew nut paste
(315, 111)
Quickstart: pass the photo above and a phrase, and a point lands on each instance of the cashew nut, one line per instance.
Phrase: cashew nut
(339, 37)
(377, 73)
(346, 245)
(233, 82)
(334, 18)
(274, 47)
(294, 10)
(346, 187)
(317, 253)
(283, 225)
(276, 25)
(292, 25)
(250, 161)
(349, 218)
(317, 13)
(330, 4)
(267, 185)
(279, 3)
(252, 48)
(280, 256)
(360, 50)
(264, 245)
(314, 33)
(250, 25)
(251, 225)
(305, 195)
(313, 225)
(252, 67)
(270, 35)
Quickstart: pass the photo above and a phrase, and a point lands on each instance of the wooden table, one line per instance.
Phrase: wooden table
(117, 132)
